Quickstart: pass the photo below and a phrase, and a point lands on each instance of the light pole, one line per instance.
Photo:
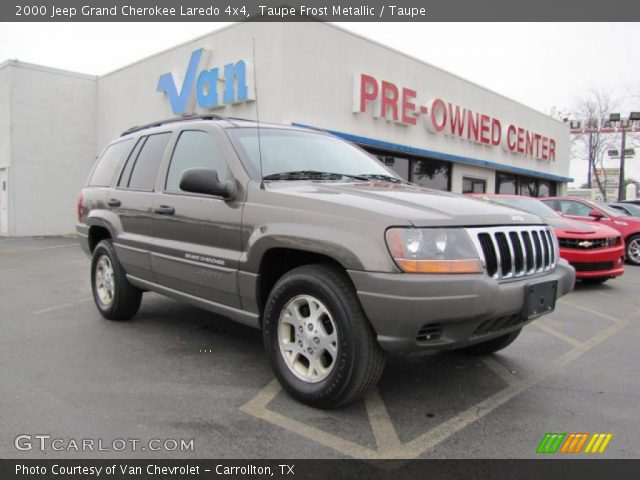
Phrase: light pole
(627, 153)
(624, 124)
(576, 126)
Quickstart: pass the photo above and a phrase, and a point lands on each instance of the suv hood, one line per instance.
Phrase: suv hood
(417, 205)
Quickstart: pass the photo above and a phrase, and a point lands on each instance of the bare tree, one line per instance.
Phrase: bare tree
(592, 109)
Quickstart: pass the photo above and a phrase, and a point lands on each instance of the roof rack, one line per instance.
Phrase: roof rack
(208, 116)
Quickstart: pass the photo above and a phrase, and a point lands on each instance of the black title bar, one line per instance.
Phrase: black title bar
(289, 469)
(335, 11)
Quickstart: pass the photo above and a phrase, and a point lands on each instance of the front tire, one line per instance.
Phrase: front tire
(114, 296)
(491, 346)
(633, 250)
(319, 342)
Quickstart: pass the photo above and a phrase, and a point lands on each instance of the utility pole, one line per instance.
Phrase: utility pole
(606, 126)
(590, 167)
(621, 187)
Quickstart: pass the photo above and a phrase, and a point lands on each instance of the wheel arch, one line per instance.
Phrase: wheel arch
(278, 261)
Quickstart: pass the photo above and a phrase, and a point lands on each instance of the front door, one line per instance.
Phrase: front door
(197, 237)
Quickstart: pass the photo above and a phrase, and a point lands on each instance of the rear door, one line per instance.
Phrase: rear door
(132, 200)
(198, 237)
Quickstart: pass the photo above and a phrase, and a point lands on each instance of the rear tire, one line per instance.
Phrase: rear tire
(491, 346)
(114, 296)
(318, 340)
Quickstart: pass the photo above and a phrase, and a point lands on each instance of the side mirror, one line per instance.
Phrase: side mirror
(205, 181)
(596, 214)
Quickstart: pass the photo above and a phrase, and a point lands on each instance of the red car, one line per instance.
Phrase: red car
(588, 211)
(595, 251)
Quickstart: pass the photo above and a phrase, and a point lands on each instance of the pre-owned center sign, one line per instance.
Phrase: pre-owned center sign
(399, 105)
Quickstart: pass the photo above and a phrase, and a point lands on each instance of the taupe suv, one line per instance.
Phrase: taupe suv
(314, 241)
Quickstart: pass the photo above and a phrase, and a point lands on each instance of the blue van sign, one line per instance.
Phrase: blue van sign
(235, 80)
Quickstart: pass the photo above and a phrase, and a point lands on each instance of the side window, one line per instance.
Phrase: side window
(577, 209)
(195, 149)
(123, 181)
(109, 163)
(143, 176)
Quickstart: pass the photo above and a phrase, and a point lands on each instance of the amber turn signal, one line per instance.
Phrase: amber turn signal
(439, 266)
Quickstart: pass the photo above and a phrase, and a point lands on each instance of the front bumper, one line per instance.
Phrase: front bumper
(597, 263)
(453, 310)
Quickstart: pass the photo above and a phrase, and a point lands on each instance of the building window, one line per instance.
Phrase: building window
(546, 188)
(400, 165)
(425, 172)
(506, 184)
(431, 174)
(527, 186)
(473, 185)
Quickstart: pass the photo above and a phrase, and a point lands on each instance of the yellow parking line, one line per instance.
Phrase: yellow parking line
(381, 423)
(45, 267)
(60, 307)
(257, 408)
(26, 250)
(439, 434)
(500, 370)
(589, 310)
(558, 334)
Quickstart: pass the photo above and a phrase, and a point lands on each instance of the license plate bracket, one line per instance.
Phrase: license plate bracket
(539, 299)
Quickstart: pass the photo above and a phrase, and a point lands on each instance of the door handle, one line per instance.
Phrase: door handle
(114, 202)
(165, 210)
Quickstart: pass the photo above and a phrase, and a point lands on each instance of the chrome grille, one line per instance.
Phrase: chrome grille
(587, 244)
(515, 251)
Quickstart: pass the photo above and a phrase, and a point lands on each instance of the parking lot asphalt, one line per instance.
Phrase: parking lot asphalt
(176, 372)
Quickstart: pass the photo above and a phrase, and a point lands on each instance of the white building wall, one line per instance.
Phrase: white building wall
(5, 88)
(5, 149)
(53, 123)
(53, 131)
(128, 96)
(321, 61)
(305, 74)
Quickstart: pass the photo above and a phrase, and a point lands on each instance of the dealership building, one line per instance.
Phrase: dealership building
(433, 128)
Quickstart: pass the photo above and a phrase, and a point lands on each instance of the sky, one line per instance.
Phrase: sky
(542, 65)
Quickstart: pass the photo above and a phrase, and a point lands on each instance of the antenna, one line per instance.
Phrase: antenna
(255, 86)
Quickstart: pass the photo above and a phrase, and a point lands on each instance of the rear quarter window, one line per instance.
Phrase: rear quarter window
(109, 163)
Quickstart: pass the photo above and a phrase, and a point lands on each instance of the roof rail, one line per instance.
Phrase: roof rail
(208, 116)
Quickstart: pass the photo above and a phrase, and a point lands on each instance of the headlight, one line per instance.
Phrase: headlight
(433, 250)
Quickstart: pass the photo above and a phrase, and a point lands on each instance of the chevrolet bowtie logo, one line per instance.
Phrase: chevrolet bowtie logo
(585, 244)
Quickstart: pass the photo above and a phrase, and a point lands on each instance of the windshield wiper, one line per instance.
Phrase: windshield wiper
(311, 175)
(384, 178)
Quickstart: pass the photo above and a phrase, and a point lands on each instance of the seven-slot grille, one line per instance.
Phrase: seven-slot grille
(515, 251)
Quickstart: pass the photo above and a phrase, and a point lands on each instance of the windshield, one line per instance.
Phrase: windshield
(612, 212)
(286, 151)
(527, 204)
(634, 209)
